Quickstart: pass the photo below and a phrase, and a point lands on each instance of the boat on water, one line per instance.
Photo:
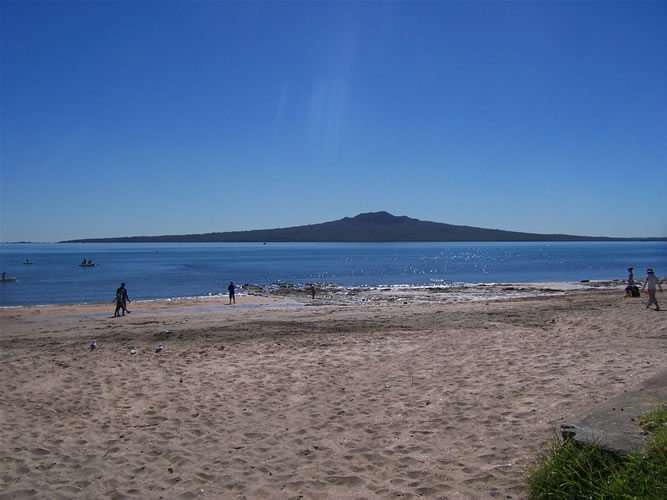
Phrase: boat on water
(28, 261)
(87, 264)
(7, 278)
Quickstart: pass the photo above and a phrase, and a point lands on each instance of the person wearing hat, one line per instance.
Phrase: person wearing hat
(649, 284)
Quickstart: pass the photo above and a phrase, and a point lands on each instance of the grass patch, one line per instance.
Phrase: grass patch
(569, 471)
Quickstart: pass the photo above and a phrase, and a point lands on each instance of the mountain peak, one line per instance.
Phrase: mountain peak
(379, 218)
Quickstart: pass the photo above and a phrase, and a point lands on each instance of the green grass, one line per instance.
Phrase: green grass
(568, 471)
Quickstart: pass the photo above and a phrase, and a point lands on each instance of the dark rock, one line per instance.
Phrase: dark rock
(616, 431)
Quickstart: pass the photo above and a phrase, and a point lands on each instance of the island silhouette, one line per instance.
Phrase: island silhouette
(366, 227)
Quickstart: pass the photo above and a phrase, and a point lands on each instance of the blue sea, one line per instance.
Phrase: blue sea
(170, 270)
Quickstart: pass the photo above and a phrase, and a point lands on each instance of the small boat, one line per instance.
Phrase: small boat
(87, 264)
(28, 261)
(8, 278)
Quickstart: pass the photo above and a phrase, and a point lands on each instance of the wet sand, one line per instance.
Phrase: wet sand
(376, 394)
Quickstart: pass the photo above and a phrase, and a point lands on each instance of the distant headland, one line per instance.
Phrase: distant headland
(367, 227)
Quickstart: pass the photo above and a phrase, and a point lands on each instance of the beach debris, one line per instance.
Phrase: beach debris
(93, 346)
(159, 348)
(208, 334)
(387, 385)
(171, 470)
(133, 351)
(163, 332)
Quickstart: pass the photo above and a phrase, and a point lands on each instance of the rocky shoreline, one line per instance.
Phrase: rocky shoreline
(332, 293)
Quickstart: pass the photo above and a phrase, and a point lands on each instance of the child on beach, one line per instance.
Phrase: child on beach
(631, 290)
(649, 283)
(119, 303)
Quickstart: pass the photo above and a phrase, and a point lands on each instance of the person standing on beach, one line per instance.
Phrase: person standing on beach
(231, 288)
(121, 300)
(126, 299)
(649, 283)
(312, 290)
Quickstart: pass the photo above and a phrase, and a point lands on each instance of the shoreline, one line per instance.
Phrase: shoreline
(344, 400)
(339, 294)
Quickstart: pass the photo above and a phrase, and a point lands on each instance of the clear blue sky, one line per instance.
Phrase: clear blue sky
(125, 118)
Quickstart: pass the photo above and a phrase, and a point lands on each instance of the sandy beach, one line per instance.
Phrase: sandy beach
(389, 394)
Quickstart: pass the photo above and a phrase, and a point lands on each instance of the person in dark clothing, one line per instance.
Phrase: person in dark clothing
(231, 288)
(121, 300)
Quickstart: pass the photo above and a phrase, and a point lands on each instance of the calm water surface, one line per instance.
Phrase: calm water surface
(167, 270)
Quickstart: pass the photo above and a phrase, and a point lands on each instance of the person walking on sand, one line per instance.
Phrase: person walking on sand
(121, 300)
(649, 284)
(119, 303)
(231, 288)
(126, 299)
(312, 290)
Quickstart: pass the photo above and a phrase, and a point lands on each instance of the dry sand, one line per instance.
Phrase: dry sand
(400, 397)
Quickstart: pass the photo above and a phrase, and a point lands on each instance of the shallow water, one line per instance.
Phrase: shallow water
(169, 270)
